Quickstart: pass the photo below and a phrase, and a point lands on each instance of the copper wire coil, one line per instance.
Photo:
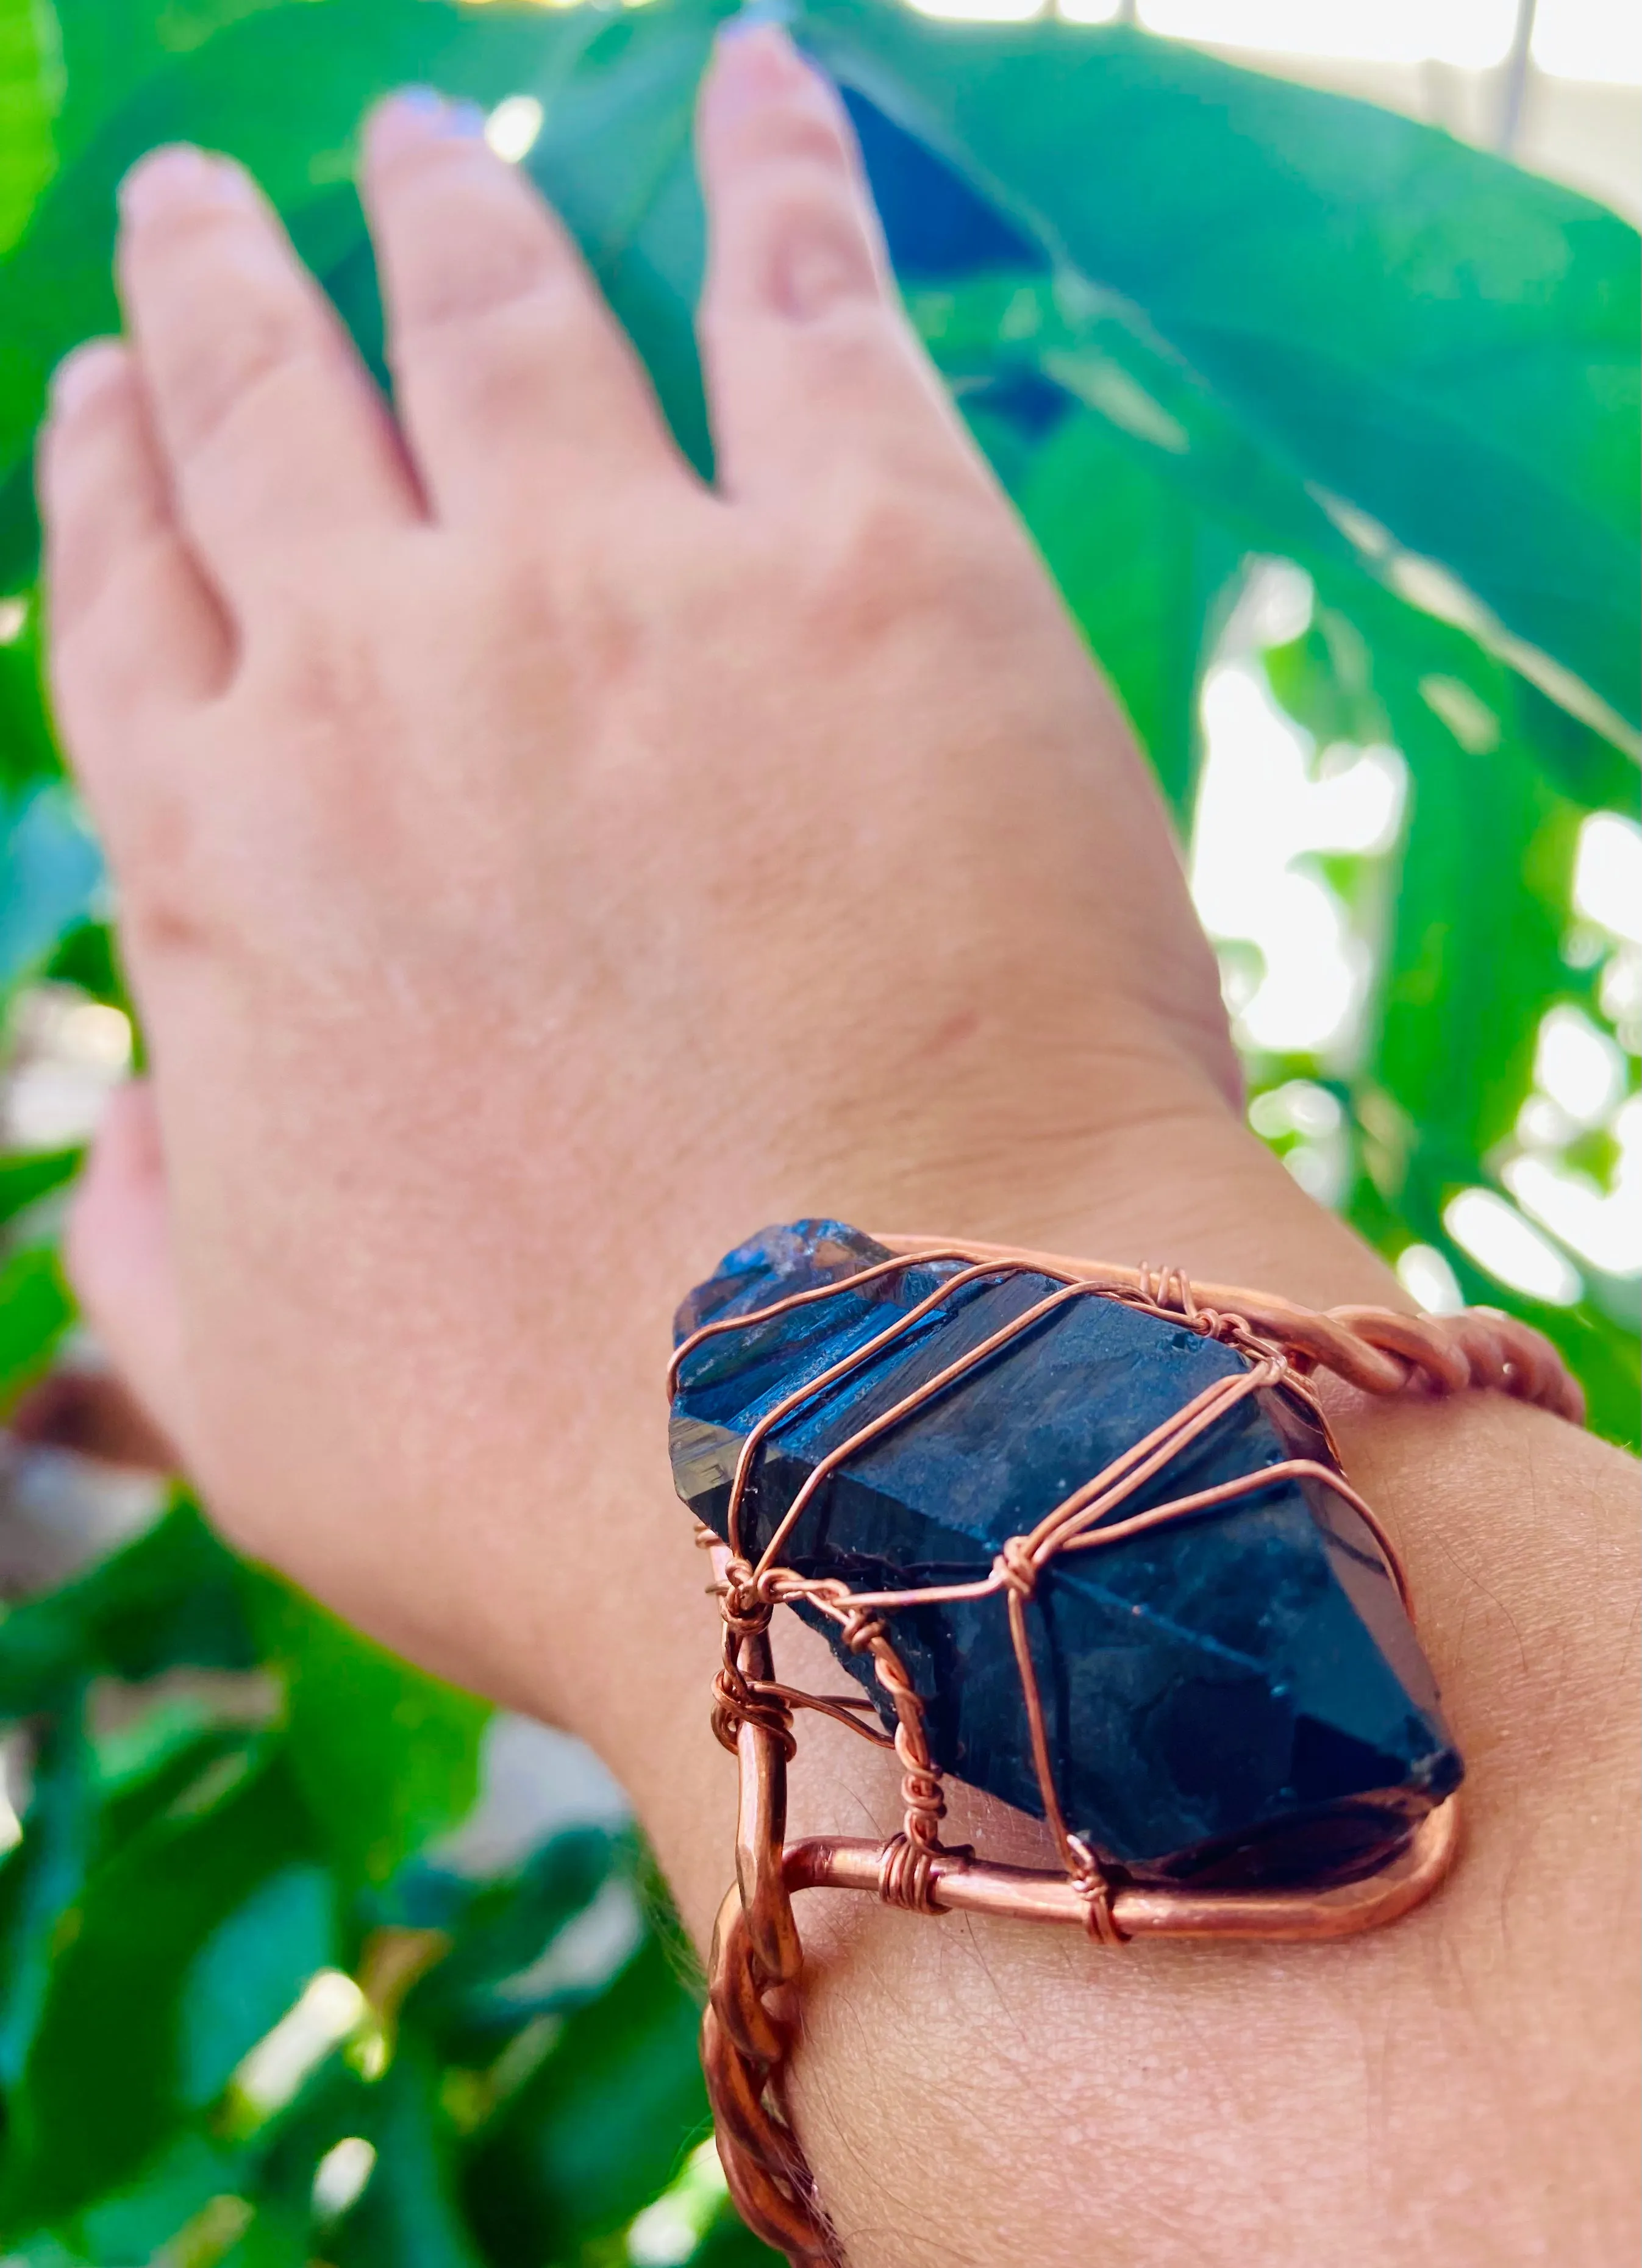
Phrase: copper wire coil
(748, 2032)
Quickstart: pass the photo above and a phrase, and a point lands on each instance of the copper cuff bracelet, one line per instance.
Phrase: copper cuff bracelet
(846, 1404)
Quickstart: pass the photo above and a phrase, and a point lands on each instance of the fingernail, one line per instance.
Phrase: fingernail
(757, 63)
(756, 15)
(182, 175)
(83, 371)
(419, 115)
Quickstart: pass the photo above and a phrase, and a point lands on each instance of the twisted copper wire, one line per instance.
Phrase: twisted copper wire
(750, 2027)
(1376, 1349)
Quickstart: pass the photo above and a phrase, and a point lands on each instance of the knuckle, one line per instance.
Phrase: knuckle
(495, 259)
(889, 553)
(802, 193)
(813, 239)
(95, 602)
(182, 230)
(168, 901)
(498, 356)
(571, 628)
(319, 673)
(96, 421)
(229, 369)
(164, 924)
(797, 130)
(503, 363)
(851, 352)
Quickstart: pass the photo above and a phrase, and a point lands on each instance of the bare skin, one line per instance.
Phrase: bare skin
(538, 871)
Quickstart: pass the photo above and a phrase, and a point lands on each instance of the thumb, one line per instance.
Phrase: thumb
(118, 1257)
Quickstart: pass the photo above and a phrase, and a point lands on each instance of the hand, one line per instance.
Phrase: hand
(537, 869)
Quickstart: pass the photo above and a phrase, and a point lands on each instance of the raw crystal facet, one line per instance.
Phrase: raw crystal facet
(1235, 1696)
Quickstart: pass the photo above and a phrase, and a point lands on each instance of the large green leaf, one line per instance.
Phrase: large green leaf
(1145, 488)
(1141, 559)
(1443, 341)
(1470, 963)
(177, 2193)
(1471, 960)
(36, 1310)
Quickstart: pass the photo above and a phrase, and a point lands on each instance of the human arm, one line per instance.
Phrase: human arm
(538, 871)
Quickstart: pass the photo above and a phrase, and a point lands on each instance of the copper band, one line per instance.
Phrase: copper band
(751, 2023)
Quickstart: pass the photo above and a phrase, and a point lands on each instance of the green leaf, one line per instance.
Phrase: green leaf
(170, 1596)
(249, 1973)
(27, 750)
(1143, 572)
(31, 86)
(87, 957)
(335, 2102)
(41, 1879)
(36, 1309)
(182, 1759)
(50, 871)
(1447, 343)
(1324, 679)
(175, 2189)
(730, 2243)
(251, 88)
(32, 1175)
(384, 1755)
(600, 2127)
(1187, 480)
(82, 2121)
(481, 1992)
(1473, 962)
(409, 2215)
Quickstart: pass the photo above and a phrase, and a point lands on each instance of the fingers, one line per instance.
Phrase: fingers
(511, 377)
(134, 629)
(271, 426)
(119, 1258)
(810, 363)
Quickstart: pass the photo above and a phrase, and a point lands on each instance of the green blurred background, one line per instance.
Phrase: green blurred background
(1327, 425)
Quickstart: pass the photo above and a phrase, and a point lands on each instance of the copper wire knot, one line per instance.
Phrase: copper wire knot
(1093, 1887)
(907, 1876)
(1016, 1568)
(749, 2029)
(861, 1631)
(745, 1600)
(737, 1702)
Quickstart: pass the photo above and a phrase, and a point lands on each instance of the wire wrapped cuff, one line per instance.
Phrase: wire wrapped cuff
(750, 2024)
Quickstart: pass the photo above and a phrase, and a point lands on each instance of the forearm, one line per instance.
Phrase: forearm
(980, 2091)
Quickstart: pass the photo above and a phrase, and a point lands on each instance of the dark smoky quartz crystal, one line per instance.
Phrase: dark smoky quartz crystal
(1235, 1696)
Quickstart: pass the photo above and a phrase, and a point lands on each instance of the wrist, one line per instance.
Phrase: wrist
(1178, 1181)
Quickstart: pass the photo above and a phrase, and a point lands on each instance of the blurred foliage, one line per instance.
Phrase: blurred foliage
(248, 2011)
